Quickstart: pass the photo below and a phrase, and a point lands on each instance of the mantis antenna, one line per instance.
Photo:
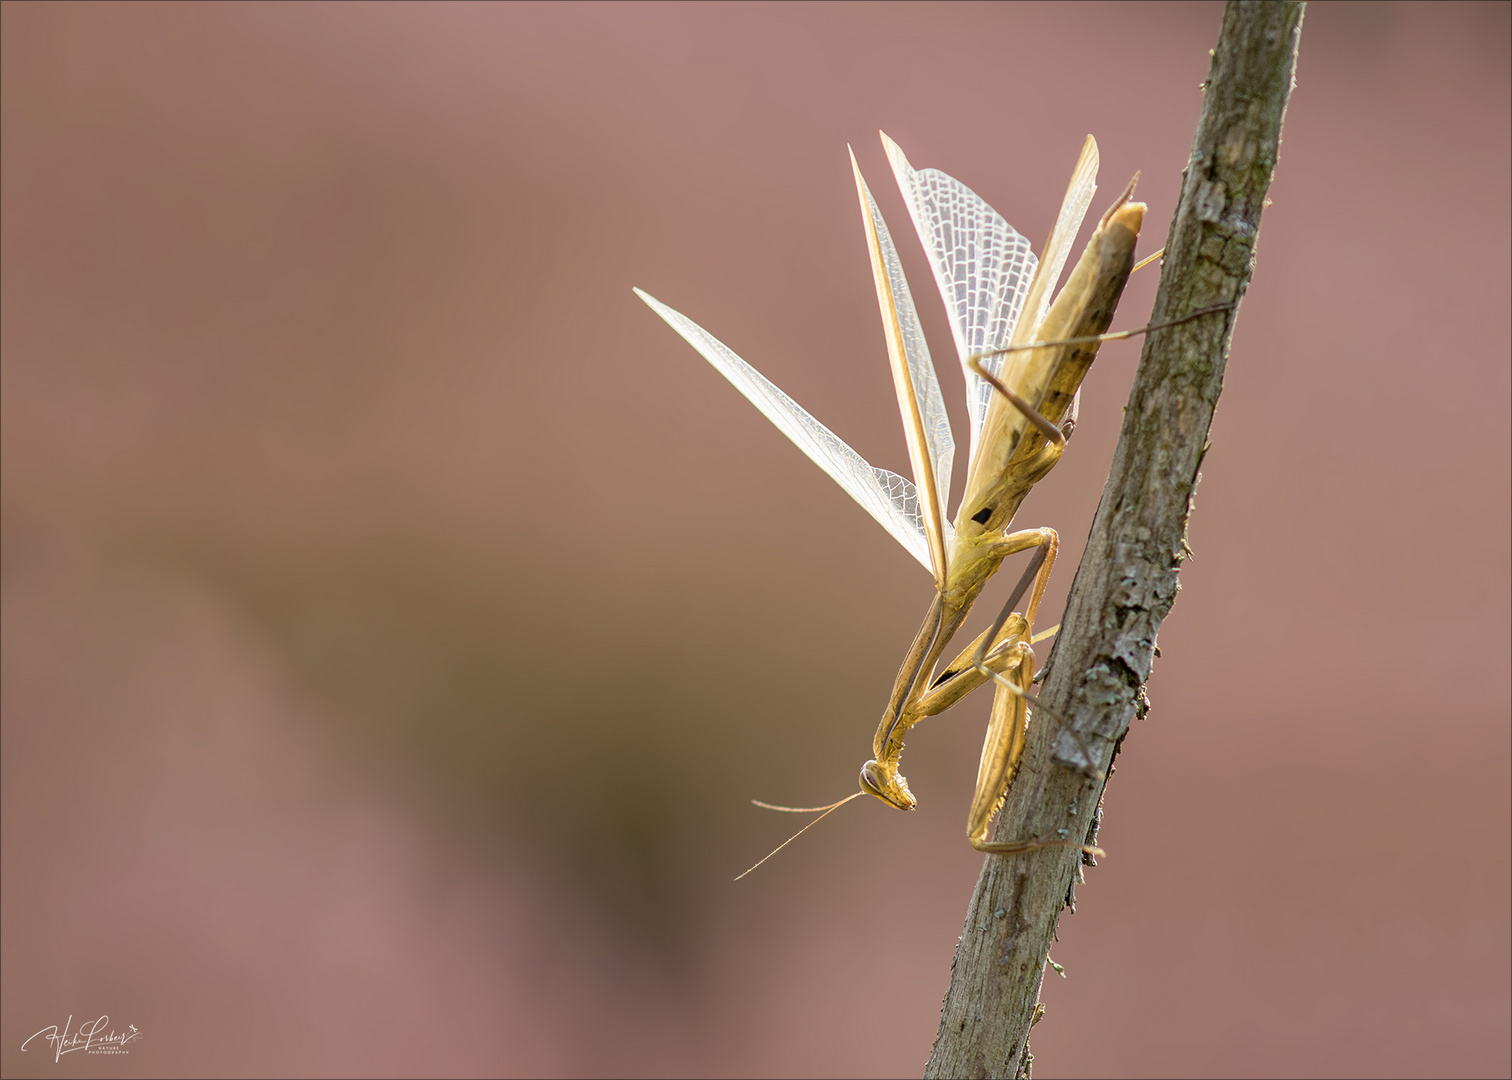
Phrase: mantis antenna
(828, 810)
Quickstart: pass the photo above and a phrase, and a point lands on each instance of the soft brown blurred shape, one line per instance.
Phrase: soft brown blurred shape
(398, 616)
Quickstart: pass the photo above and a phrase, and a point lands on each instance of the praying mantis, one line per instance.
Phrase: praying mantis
(1024, 357)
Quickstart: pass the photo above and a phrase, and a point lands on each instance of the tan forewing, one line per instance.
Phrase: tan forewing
(926, 427)
(1078, 198)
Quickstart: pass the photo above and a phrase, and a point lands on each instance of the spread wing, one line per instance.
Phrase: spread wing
(1079, 192)
(926, 425)
(885, 495)
(981, 264)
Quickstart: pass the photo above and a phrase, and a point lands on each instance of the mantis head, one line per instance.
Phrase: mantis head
(887, 784)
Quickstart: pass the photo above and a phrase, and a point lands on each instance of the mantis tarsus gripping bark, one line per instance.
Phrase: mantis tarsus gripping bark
(1022, 376)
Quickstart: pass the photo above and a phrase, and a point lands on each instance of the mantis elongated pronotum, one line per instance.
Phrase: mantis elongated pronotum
(1022, 377)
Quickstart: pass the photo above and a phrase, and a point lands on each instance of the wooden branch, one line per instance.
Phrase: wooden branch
(1127, 579)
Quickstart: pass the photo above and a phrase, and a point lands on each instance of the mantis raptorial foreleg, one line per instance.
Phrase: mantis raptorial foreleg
(1003, 747)
(963, 676)
(880, 775)
(1008, 728)
(1002, 750)
(995, 650)
(975, 663)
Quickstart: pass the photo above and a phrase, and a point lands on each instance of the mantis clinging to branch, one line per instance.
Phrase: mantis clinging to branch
(1023, 376)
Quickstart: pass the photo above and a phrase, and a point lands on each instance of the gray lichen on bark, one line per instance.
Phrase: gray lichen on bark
(1127, 580)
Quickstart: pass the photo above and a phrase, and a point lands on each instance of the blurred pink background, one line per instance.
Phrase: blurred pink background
(397, 616)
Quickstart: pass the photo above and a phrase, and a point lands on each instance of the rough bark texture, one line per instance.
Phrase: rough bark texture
(1127, 579)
